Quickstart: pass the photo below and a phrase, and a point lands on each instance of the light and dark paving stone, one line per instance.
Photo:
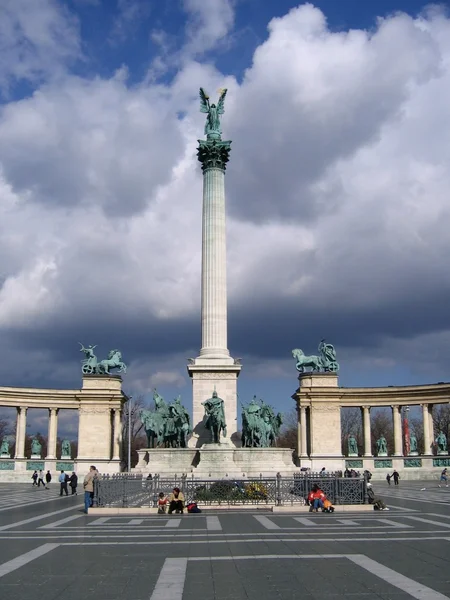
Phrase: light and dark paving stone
(49, 549)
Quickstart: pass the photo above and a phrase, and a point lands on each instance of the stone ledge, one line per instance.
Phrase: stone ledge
(147, 510)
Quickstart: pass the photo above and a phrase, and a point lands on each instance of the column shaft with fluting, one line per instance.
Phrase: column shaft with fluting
(52, 433)
(367, 433)
(214, 266)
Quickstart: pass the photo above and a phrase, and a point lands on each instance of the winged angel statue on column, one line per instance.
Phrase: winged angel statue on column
(212, 126)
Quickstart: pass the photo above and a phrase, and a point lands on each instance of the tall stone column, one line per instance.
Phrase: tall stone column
(22, 429)
(117, 443)
(52, 433)
(426, 430)
(303, 434)
(214, 369)
(397, 419)
(366, 427)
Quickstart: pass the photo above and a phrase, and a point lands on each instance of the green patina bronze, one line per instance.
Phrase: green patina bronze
(214, 418)
(412, 462)
(64, 466)
(352, 444)
(36, 447)
(413, 443)
(90, 365)
(213, 153)
(381, 445)
(441, 442)
(35, 465)
(382, 464)
(66, 450)
(4, 448)
(441, 462)
(354, 464)
(325, 362)
(6, 465)
(260, 425)
(168, 425)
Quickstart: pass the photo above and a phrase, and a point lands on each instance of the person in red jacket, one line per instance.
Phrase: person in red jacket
(315, 498)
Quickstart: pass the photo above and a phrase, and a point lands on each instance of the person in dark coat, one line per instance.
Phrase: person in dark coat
(48, 478)
(73, 482)
(396, 477)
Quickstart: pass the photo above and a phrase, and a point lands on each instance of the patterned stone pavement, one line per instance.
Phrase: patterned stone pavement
(50, 549)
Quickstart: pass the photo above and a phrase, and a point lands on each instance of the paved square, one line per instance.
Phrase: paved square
(50, 549)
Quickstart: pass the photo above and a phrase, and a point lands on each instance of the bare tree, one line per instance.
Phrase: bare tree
(288, 432)
(441, 420)
(351, 424)
(133, 424)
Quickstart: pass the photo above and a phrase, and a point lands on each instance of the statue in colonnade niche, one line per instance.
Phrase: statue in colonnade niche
(36, 447)
(65, 449)
(382, 446)
(441, 442)
(4, 448)
(325, 362)
(352, 445)
(413, 447)
(90, 365)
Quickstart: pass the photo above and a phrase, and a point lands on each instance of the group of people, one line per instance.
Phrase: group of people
(64, 480)
(175, 502)
(39, 478)
(395, 476)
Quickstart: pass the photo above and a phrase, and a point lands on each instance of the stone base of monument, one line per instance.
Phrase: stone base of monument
(36, 456)
(382, 454)
(353, 455)
(442, 452)
(413, 454)
(65, 457)
(4, 455)
(216, 460)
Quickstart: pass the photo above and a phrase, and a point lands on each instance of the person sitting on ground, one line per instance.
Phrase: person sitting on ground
(176, 501)
(162, 503)
(378, 503)
(315, 498)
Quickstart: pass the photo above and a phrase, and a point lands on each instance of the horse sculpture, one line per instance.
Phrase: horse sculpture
(114, 361)
(168, 425)
(315, 362)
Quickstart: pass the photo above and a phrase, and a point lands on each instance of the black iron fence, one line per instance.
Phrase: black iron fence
(125, 490)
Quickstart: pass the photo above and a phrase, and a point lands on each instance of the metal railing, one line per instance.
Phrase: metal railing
(126, 490)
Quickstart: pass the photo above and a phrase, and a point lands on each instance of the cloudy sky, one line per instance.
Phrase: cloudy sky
(337, 189)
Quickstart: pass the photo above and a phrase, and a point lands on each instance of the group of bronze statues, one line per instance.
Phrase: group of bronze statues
(168, 425)
(382, 447)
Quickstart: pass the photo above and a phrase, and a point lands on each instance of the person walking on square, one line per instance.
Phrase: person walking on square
(63, 484)
(88, 486)
(388, 478)
(444, 479)
(73, 481)
(48, 478)
(396, 477)
(41, 479)
(34, 477)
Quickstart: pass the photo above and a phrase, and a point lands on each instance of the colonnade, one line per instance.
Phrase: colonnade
(319, 402)
(114, 433)
(99, 405)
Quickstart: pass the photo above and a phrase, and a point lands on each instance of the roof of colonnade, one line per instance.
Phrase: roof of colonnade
(436, 393)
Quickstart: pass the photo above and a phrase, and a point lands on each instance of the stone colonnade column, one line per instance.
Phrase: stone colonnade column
(52, 432)
(397, 418)
(21, 431)
(303, 434)
(117, 439)
(214, 265)
(426, 429)
(366, 427)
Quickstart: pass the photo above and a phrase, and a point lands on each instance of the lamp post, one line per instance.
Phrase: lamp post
(130, 398)
(407, 445)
